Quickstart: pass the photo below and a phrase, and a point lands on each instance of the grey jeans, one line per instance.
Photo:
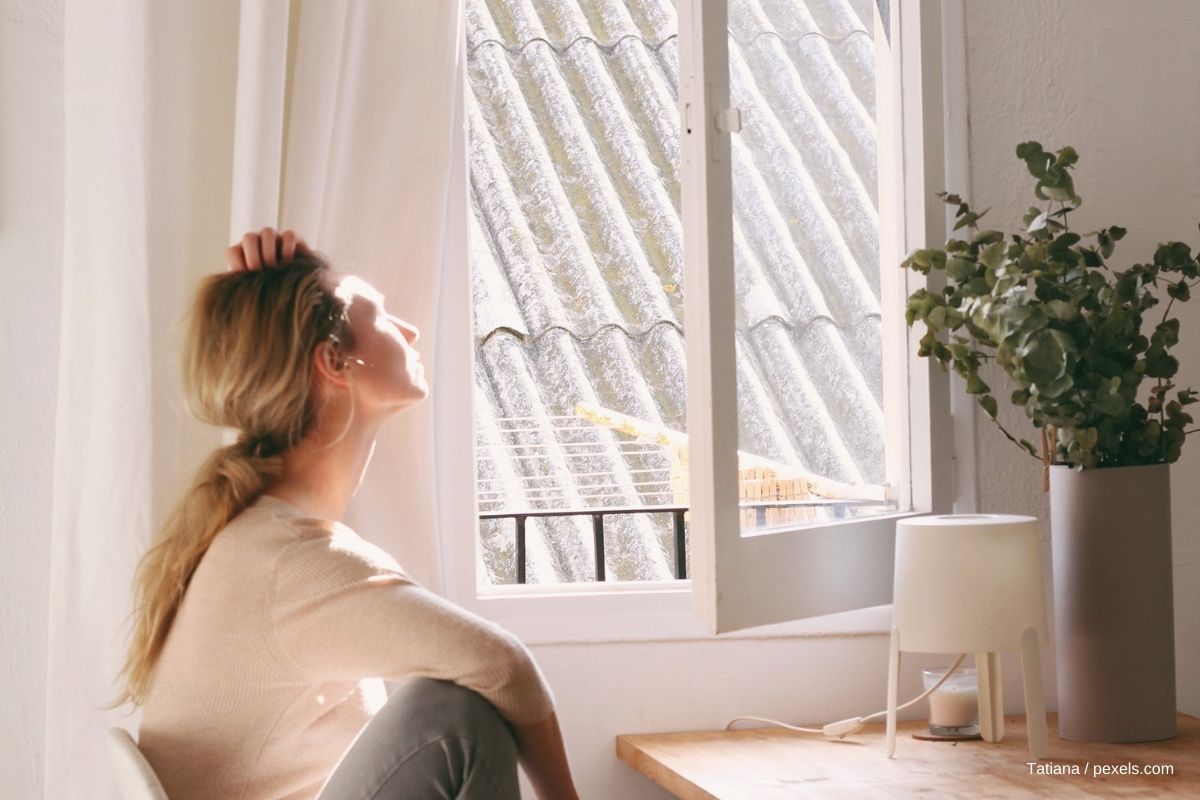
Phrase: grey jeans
(432, 739)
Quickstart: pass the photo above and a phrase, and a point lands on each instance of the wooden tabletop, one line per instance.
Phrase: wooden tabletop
(769, 763)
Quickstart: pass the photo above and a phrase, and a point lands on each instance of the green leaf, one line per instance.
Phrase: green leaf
(986, 236)
(1036, 159)
(959, 269)
(1172, 254)
(1045, 356)
(1056, 388)
(1066, 157)
(1026, 150)
(989, 404)
(1062, 244)
(1062, 310)
(959, 350)
(993, 255)
(970, 218)
(1159, 364)
(1166, 333)
(1114, 405)
(929, 258)
(917, 307)
(975, 384)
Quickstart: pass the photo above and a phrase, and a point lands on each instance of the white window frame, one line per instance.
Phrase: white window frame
(668, 610)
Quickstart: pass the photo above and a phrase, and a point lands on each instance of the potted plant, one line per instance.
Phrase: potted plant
(1078, 340)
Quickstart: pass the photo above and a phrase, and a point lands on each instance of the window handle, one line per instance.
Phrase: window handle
(729, 120)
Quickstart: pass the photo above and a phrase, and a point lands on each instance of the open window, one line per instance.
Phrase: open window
(690, 372)
(860, 401)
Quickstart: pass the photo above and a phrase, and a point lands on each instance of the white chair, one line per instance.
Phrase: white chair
(135, 778)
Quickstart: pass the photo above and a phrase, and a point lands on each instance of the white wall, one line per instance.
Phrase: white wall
(1115, 79)
(1118, 81)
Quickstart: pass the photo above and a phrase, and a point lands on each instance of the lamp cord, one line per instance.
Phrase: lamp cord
(844, 727)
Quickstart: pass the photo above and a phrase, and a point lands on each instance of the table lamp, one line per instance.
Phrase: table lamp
(972, 583)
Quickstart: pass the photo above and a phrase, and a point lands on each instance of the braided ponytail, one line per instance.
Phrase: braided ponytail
(248, 365)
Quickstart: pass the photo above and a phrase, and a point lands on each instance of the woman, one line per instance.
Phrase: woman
(264, 627)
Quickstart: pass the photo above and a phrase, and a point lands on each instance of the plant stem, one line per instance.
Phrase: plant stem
(1012, 438)
(1045, 461)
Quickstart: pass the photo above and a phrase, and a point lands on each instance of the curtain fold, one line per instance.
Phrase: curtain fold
(259, 115)
(102, 471)
(368, 178)
(338, 120)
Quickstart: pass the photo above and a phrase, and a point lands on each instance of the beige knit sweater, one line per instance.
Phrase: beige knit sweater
(278, 653)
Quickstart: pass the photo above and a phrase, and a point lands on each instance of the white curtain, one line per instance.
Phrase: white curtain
(338, 119)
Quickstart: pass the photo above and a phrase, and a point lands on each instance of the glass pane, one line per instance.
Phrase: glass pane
(806, 258)
(576, 259)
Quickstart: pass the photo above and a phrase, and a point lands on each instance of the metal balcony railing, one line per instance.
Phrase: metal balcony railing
(838, 507)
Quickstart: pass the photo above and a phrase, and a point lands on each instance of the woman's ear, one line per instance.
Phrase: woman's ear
(329, 365)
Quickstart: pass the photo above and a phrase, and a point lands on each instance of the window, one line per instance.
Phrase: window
(577, 268)
(579, 232)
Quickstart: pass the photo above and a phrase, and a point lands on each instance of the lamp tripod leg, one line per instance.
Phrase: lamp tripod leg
(1035, 701)
(991, 696)
(893, 680)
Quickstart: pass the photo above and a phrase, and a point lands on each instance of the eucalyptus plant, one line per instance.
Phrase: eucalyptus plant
(1076, 337)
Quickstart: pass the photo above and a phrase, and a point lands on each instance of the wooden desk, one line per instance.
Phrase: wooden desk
(769, 763)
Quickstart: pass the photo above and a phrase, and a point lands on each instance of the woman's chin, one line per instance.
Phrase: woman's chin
(420, 392)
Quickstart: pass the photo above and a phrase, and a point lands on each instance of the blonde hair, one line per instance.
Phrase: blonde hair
(247, 364)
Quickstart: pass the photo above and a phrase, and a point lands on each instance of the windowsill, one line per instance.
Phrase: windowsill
(648, 613)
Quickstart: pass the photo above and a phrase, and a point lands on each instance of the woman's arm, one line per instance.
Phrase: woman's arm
(544, 759)
(342, 609)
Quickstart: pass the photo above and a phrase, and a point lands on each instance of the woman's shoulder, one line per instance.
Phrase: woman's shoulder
(333, 548)
(261, 533)
(306, 548)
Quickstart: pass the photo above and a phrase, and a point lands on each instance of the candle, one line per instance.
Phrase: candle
(955, 704)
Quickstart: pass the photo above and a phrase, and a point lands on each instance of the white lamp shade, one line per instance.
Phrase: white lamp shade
(968, 583)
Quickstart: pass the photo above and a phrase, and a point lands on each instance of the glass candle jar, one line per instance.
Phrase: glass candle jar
(953, 706)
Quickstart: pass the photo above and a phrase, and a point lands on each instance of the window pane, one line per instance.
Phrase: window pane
(576, 274)
(576, 264)
(806, 259)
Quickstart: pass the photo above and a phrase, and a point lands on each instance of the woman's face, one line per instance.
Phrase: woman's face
(386, 368)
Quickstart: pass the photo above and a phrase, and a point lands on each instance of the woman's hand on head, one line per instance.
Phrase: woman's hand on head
(266, 248)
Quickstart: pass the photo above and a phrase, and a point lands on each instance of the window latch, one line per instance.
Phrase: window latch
(729, 120)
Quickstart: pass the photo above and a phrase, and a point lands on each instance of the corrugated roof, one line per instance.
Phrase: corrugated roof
(577, 259)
